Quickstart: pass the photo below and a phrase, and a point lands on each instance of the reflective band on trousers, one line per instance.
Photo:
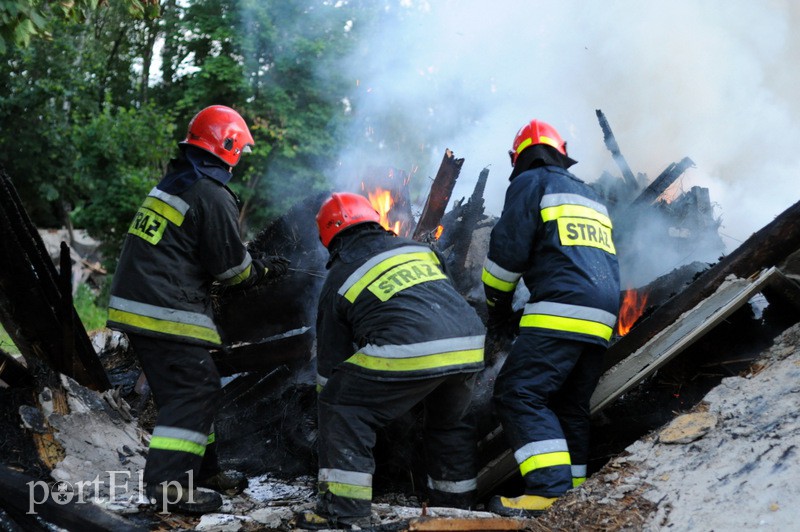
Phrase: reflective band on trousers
(321, 382)
(177, 439)
(539, 454)
(453, 486)
(420, 356)
(498, 277)
(163, 320)
(578, 470)
(380, 263)
(569, 318)
(348, 484)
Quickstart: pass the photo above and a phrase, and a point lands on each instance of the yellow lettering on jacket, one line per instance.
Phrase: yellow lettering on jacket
(585, 232)
(148, 225)
(404, 276)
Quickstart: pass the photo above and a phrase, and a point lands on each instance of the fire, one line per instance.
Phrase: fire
(633, 305)
(382, 201)
(439, 231)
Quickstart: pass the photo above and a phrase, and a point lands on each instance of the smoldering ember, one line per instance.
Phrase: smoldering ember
(693, 420)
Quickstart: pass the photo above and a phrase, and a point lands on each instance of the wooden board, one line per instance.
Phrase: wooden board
(665, 346)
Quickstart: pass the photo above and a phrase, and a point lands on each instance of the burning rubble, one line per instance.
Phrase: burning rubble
(267, 414)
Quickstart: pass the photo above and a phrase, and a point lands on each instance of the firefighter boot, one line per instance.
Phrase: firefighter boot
(522, 506)
(228, 482)
(172, 497)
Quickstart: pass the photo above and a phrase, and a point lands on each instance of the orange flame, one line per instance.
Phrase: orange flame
(633, 305)
(382, 202)
(439, 231)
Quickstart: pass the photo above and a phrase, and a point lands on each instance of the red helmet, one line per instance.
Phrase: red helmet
(220, 131)
(343, 210)
(536, 132)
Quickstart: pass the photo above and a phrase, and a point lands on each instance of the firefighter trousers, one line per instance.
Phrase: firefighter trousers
(186, 387)
(351, 409)
(541, 396)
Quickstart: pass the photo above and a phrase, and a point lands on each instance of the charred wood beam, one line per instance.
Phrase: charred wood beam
(439, 196)
(471, 214)
(265, 355)
(765, 248)
(12, 372)
(662, 182)
(33, 304)
(15, 494)
(613, 147)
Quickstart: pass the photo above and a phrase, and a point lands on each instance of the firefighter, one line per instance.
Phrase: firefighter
(555, 234)
(392, 332)
(184, 237)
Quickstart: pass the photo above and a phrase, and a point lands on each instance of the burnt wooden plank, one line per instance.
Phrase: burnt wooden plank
(12, 372)
(439, 196)
(436, 524)
(15, 489)
(662, 182)
(673, 340)
(33, 303)
(767, 247)
(613, 147)
(267, 354)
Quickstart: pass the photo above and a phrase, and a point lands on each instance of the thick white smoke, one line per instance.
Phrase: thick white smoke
(714, 81)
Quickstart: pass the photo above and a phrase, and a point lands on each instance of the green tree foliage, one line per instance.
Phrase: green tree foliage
(92, 112)
(23, 20)
(122, 156)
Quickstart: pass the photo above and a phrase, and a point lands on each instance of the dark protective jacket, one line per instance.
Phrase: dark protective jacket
(387, 311)
(183, 237)
(555, 234)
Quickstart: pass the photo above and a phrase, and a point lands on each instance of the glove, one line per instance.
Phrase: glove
(270, 267)
(501, 329)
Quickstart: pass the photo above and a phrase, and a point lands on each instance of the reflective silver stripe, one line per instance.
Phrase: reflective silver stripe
(571, 311)
(173, 201)
(578, 471)
(161, 313)
(353, 478)
(180, 434)
(377, 259)
(453, 486)
(321, 381)
(423, 348)
(500, 272)
(236, 270)
(540, 447)
(554, 200)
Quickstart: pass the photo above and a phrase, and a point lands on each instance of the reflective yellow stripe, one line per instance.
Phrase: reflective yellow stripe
(176, 444)
(441, 360)
(578, 211)
(496, 283)
(547, 140)
(236, 279)
(349, 491)
(164, 326)
(524, 144)
(539, 461)
(577, 481)
(164, 209)
(559, 323)
(376, 271)
(211, 438)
